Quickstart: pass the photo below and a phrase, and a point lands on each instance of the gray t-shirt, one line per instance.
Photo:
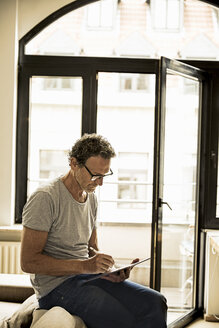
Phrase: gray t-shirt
(69, 225)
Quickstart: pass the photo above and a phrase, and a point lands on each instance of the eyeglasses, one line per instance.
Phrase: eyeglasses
(97, 176)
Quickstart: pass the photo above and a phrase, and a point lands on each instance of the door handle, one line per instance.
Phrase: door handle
(161, 203)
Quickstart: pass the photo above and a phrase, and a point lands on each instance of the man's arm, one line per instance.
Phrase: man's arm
(34, 261)
(93, 243)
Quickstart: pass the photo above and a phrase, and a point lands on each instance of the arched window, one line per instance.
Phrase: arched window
(138, 29)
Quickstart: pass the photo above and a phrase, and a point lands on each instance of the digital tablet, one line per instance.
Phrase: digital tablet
(116, 270)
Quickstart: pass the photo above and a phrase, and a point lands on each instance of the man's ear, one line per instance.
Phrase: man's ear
(73, 163)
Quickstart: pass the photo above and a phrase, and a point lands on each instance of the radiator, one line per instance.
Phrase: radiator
(10, 257)
(212, 276)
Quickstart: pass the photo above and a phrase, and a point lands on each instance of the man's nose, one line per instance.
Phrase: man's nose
(99, 181)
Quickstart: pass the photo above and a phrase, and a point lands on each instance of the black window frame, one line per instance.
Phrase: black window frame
(87, 67)
(208, 219)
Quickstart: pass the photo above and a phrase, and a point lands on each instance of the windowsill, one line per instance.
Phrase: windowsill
(14, 227)
(122, 223)
(17, 228)
(142, 223)
(17, 280)
(11, 233)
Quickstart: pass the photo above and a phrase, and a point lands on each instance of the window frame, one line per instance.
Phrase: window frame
(87, 68)
(30, 65)
(208, 219)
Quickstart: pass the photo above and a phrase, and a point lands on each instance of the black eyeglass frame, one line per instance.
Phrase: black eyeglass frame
(97, 176)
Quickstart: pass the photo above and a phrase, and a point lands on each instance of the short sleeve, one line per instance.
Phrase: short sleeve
(38, 213)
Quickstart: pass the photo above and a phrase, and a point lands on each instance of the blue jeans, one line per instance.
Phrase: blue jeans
(104, 304)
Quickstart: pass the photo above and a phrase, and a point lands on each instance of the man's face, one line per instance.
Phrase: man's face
(97, 165)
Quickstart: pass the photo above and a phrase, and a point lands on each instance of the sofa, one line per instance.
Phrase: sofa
(19, 309)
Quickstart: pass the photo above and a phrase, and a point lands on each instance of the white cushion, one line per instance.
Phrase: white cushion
(56, 317)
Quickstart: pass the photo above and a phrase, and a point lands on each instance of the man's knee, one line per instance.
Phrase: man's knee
(163, 301)
(161, 309)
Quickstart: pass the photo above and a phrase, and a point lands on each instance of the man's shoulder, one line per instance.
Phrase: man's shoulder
(50, 190)
(42, 207)
(45, 197)
(49, 186)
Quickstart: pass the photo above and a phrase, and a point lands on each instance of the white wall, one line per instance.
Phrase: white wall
(17, 17)
(8, 56)
(32, 12)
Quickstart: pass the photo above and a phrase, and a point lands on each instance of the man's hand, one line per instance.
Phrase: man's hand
(99, 263)
(121, 275)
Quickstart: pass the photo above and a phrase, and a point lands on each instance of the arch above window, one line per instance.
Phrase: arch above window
(112, 28)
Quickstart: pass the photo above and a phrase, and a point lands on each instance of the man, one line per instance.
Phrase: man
(60, 248)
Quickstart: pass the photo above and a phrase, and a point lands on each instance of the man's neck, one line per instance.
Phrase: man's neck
(74, 188)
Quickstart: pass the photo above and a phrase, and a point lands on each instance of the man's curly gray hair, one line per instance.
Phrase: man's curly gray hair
(91, 145)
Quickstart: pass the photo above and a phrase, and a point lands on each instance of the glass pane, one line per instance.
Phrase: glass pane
(172, 28)
(126, 118)
(55, 123)
(179, 190)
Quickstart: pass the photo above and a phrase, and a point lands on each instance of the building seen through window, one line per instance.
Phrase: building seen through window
(55, 123)
(135, 83)
(58, 84)
(133, 28)
(52, 163)
(101, 14)
(167, 15)
(133, 185)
